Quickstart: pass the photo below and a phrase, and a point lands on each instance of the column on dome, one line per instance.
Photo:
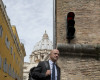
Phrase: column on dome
(39, 56)
(32, 58)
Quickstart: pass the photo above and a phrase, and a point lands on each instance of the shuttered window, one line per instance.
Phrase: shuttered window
(7, 42)
(1, 31)
(5, 66)
(10, 69)
(11, 50)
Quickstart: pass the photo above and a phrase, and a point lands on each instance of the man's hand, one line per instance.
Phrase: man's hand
(48, 73)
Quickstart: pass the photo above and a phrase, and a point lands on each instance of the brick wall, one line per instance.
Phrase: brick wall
(87, 20)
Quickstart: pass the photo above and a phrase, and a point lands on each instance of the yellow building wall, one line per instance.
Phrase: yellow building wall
(17, 62)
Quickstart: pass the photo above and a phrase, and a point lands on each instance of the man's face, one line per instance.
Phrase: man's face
(54, 55)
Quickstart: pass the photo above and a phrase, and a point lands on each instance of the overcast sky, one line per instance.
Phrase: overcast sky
(31, 18)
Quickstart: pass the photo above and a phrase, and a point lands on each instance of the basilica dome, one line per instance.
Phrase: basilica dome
(45, 43)
(41, 49)
(40, 52)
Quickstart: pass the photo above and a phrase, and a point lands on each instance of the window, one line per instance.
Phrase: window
(37, 57)
(16, 42)
(1, 31)
(13, 72)
(10, 69)
(0, 62)
(5, 66)
(42, 56)
(25, 77)
(7, 42)
(11, 50)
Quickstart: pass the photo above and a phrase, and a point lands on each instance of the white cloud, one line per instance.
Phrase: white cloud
(31, 18)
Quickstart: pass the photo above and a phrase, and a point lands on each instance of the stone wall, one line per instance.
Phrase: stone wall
(79, 68)
(87, 20)
(87, 25)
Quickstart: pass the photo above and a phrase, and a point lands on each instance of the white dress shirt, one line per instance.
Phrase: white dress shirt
(51, 65)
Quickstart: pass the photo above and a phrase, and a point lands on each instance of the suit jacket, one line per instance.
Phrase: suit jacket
(40, 71)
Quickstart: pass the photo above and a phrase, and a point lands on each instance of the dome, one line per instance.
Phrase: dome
(45, 43)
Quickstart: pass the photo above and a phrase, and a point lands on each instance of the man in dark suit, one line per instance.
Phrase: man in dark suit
(52, 72)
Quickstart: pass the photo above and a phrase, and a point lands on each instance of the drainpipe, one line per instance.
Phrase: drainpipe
(54, 25)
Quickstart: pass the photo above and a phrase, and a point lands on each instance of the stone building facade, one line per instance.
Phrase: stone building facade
(12, 51)
(40, 53)
(79, 59)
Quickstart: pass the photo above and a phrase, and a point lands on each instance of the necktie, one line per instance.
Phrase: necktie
(53, 71)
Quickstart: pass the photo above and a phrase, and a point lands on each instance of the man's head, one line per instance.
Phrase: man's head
(54, 54)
